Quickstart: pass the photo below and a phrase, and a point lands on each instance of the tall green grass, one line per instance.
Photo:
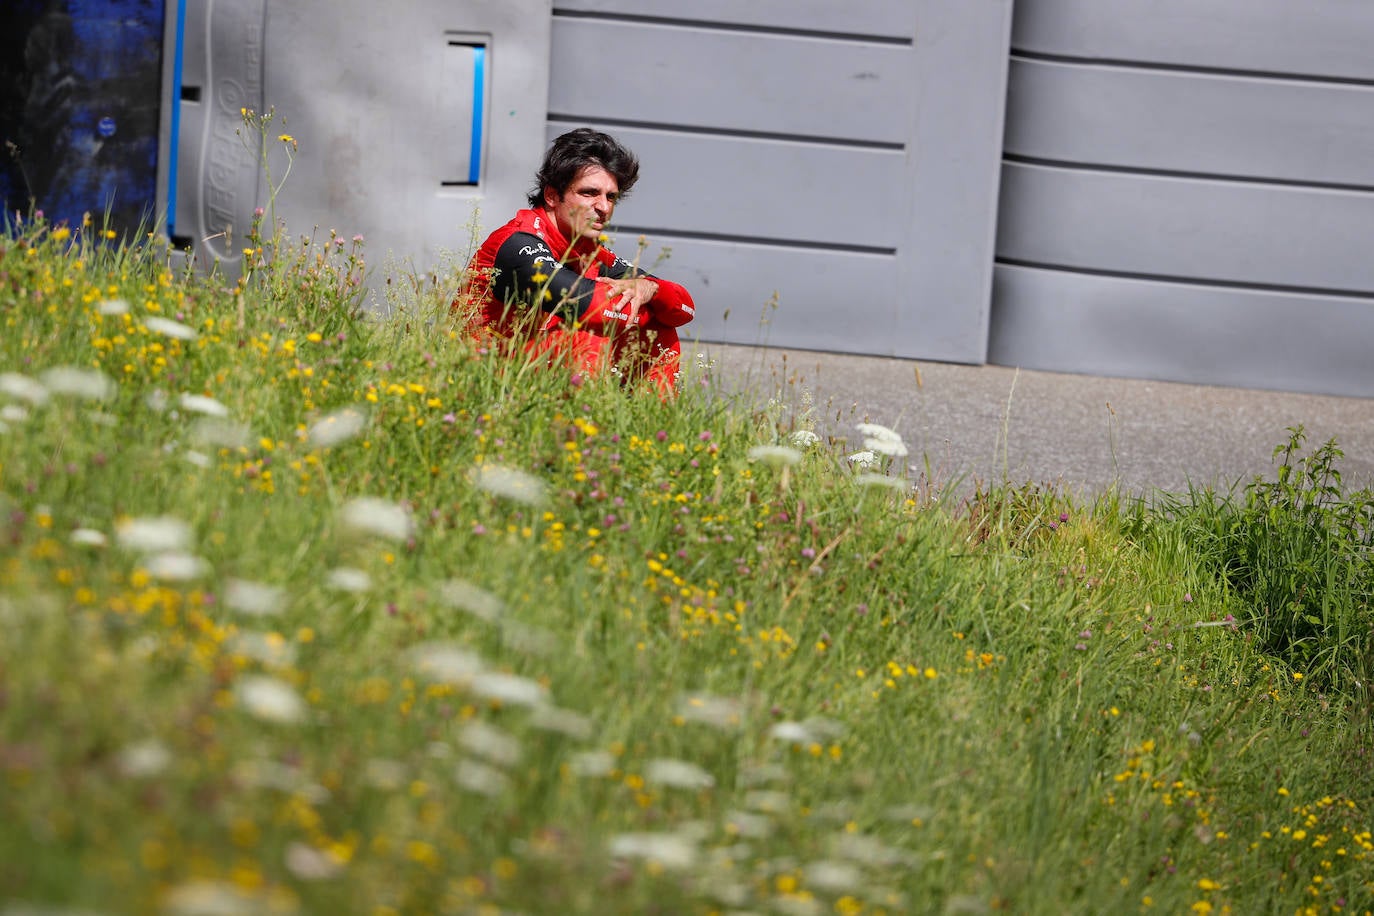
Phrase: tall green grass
(302, 611)
(1299, 552)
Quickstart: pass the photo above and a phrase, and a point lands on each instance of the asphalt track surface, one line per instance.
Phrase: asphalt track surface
(1082, 433)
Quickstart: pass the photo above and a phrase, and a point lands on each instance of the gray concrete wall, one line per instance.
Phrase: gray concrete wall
(1186, 193)
(810, 150)
(1151, 188)
(383, 101)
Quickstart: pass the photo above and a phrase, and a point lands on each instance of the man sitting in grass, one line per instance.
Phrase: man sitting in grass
(546, 279)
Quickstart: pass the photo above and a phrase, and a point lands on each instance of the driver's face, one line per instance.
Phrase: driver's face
(585, 208)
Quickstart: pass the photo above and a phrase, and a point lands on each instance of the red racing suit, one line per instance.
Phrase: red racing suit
(528, 283)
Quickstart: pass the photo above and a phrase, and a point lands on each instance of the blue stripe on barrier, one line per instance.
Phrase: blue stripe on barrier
(479, 74)
(175, 101)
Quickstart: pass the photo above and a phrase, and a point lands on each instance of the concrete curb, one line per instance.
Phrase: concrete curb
(1083, 433)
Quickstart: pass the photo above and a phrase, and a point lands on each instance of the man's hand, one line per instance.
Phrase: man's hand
(634, 293)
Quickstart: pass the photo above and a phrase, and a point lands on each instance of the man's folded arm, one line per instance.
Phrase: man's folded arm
(527, 272)
(672, 305)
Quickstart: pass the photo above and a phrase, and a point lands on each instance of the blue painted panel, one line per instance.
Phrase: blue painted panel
(81, 101)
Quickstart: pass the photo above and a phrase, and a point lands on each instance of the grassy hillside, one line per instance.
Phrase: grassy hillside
(303, 612)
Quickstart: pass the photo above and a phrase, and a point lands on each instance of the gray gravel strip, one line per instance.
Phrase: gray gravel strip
(1083, 433)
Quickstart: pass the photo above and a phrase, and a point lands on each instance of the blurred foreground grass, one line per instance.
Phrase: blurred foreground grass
(306, 612)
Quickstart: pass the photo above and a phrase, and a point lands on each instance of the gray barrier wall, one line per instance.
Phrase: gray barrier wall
(1187, 193)
(805, 149)
(406, 118)
(1184, 191)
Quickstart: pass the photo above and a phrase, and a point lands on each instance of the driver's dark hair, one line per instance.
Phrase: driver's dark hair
(576, 150)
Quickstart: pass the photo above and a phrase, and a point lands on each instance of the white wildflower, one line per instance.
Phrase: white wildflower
(794, 732)
(209, 898)
(492, 744)
(199, 403)
(13, 413)
(869, 850)
(310, 864)
(748, 825)
(348, 579)
(446, 663)
(153, 534)
(156, 400)
(882, 440)
(797, 906)
(508, 689)
(479, 778)
(678, 774)
(592, 763)
(670, 850)
(778, 456)
(253, 598)
(88, 537)
(879, 480)
(804, 438)
(176, 566)
(198, 459)
(562, 722)
(271, 700)
(882, 447)
(731, 893)
(834, 877)
(169, 328)
(725, 713)
(217, 432)
(113, 307)
(474, 599)
(337, 427)
(271, 774)
(378, 516)
(864, 459)
(876, 431)
(87, 384)
(145, 759)
(698, 831)
(509, 483)
(23, 388)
